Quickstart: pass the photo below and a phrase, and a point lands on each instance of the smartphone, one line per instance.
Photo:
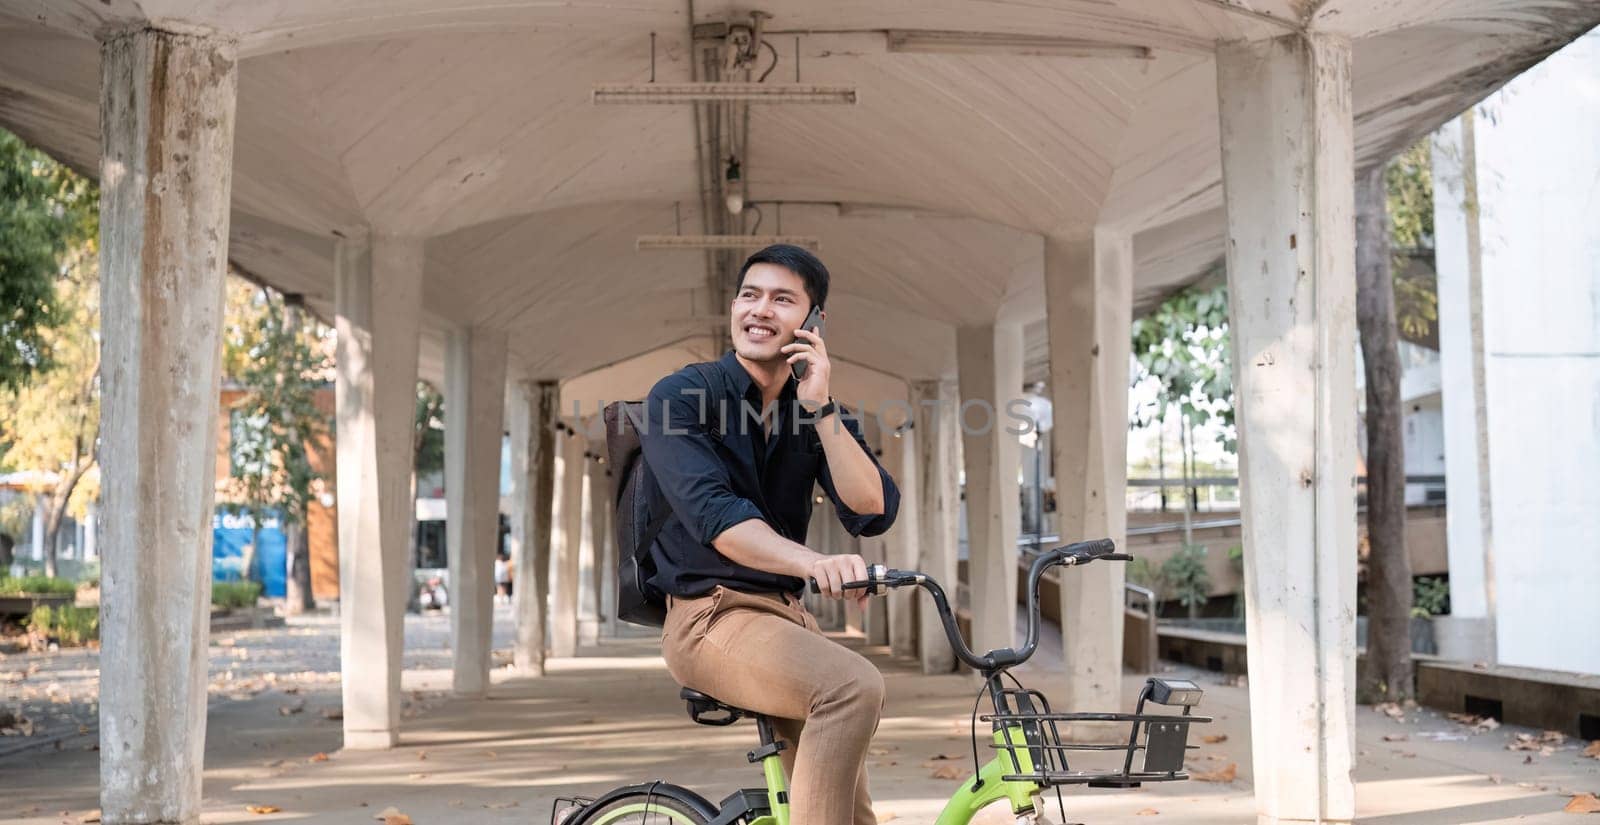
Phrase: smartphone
(813, 323)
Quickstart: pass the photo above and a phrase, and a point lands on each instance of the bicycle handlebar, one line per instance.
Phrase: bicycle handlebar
(1070, 555)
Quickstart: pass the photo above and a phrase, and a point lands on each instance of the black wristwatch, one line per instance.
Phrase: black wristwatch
(822, 412)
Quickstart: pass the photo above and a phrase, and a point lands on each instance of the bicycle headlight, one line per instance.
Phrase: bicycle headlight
(1175, 692)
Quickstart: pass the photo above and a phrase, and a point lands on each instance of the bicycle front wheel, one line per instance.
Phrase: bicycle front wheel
(646, 805)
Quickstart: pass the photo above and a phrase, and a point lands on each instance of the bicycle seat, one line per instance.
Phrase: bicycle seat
(702, 709)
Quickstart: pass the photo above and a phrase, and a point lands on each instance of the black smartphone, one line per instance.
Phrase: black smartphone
(813, 322)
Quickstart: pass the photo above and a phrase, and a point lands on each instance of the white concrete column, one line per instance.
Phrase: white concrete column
(474, 402)
(163, 261)
(1089, 302)
(989, 358)
(377, 301)
(91, 533)
(36, 537)
(589, 550)
(935, 486)
(566, 544)
(536, 488)
(1288, 177)
(606, 548)
(1463, 378)
(900, 459)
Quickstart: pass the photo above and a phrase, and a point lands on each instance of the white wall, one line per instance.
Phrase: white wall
(1537, 172)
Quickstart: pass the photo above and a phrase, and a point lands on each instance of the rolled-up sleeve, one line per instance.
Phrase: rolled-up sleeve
(856, 523)
(682, 455)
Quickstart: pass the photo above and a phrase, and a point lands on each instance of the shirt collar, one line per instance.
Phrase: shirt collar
(742, 382)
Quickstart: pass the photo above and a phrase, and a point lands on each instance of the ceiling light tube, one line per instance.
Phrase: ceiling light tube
(913, 41)
(722, 93)
(723, 241)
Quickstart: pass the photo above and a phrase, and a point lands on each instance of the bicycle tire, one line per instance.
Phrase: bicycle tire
(646, 805)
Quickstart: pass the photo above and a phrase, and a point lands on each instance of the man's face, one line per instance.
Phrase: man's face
(769, 306)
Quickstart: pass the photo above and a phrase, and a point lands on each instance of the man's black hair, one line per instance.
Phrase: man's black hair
(798, 260)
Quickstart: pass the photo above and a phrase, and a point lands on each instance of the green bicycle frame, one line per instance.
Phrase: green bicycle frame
(989, 788)
(973, 795)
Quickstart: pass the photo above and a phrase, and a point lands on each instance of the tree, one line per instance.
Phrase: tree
(279, 358)
(46, 211)
(427, 450)
(53, 421)
(1408, 181)
(1183, 345)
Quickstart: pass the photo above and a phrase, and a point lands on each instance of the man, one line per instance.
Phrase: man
(736, 447)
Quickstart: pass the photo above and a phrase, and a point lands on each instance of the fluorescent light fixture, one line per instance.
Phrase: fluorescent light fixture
(912, 41)
(723, 241)
(722, 93)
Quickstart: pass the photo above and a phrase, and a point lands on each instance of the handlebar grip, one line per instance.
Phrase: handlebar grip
(876, 575)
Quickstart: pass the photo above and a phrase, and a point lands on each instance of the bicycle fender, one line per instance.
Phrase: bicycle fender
(699, 803)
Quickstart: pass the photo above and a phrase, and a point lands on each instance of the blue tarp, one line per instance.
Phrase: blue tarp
(231, 533)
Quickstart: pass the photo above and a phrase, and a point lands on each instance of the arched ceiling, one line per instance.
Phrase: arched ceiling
(470, 123)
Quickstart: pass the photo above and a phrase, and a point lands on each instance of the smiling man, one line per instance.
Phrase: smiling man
(736, 447)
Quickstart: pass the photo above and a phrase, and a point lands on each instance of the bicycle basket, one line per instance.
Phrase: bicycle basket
(1029, 733)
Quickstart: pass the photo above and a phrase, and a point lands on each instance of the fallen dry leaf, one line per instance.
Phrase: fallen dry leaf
(1395, 737)
(887, 816)
(1593, 751)
(947, 772)
(1227, 774)
(392, 816)
(1391, 710)
(1146, 812)
(92, 816)
(495, 806)
(1214, 739)
(262, 809)
(318, 757)
(1583, 803)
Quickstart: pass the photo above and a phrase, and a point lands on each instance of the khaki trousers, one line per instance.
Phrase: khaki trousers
(765, 653)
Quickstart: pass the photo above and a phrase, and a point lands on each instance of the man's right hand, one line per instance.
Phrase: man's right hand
(831, 572)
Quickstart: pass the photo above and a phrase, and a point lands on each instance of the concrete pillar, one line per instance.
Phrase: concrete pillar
(377, 302)
(589, 550)
(536, 488)
(163, 260)
(1089, 301)
(1468, 633)
(91, 532)
(989, 358)
(36, 534)
(1288, 177)
(875, 619)
(935, 486)
(606, 549)
(474, 401)
(900, 459)
(566, 544)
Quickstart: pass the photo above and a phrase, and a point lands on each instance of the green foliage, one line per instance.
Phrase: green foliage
(70, 626)
(278, 356)
(428, 446)
(36, 586)
(45, 211)
(1409, 182)
(234, 595)
(1186, 578)
(1431, 597)
(1184, 346)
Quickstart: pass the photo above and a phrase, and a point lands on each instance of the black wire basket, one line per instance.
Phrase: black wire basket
(1040, 756)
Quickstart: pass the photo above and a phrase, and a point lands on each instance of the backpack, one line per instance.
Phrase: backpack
(641, 511)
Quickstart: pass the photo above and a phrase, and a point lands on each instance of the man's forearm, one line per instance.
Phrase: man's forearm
(855, 475)
(754, 544)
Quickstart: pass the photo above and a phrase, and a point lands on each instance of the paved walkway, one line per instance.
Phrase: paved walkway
(612, 716)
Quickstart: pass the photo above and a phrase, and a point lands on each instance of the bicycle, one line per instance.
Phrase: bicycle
(1030, 754)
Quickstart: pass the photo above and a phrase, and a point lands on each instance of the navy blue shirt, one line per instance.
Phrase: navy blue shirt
(707, 452)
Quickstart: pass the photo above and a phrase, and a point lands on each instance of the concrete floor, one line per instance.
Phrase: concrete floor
(612, 716)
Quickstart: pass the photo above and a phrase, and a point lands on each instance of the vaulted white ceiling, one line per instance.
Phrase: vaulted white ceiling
(470, 124)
